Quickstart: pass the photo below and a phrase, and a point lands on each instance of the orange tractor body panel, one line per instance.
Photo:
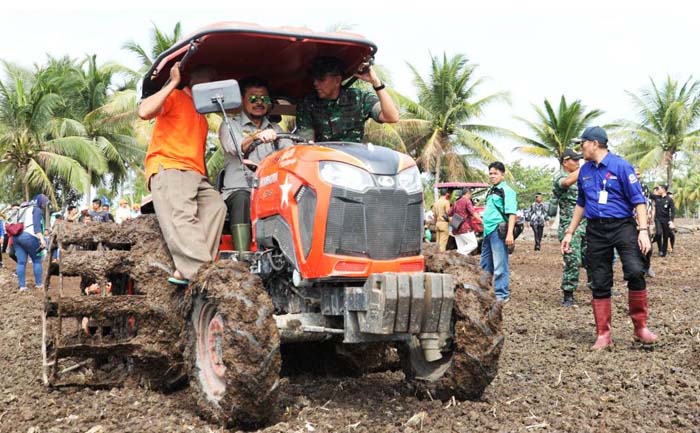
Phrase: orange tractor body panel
(280, 178)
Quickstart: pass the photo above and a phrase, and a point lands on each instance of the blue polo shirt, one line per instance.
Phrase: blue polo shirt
(616, 176)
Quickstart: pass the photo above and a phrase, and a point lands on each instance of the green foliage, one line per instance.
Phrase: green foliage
(666, 127)
(160, 41)
(529, 180)
(554, 130)
(439, 130)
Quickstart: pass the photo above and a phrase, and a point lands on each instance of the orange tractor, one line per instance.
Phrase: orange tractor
(335, 256)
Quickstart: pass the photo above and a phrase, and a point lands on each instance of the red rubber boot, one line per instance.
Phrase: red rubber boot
(602, 314)
(638, 313)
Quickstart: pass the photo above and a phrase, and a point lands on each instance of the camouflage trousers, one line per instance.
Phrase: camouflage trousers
(574, 260)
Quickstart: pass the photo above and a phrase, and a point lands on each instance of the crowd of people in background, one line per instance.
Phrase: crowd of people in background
(28, 242)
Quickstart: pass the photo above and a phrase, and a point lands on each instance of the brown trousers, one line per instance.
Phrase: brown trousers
(191, 215)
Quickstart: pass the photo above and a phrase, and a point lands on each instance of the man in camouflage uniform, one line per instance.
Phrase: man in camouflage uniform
(564, 190)
(334, 113)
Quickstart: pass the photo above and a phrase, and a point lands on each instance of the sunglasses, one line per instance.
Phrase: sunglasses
(264, 99)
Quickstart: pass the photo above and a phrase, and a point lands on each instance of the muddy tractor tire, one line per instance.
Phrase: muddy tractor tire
(234, 346)
(470, 362)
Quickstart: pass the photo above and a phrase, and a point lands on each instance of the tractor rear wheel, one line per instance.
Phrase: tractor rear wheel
(234, 346)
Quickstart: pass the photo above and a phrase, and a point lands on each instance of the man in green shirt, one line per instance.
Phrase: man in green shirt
(335, 113)
(501, 207)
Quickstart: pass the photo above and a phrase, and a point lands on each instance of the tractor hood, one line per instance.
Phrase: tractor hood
(375, 159)
(281, 55)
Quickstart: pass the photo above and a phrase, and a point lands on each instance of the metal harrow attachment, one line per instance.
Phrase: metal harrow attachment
(99, 325)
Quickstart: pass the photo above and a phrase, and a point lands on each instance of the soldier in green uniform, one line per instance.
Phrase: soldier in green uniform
(565, 191)
(335, 113)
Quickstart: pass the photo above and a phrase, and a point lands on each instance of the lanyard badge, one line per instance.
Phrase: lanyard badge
(603, 195)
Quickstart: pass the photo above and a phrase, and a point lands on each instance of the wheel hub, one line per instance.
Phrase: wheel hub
(210, 342)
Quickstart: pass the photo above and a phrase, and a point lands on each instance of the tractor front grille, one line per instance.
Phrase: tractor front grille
(380, 224)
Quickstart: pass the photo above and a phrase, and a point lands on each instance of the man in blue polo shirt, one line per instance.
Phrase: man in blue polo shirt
(609, 194)
(501, 206)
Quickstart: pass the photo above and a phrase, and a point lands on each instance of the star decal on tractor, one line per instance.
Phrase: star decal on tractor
(285, 187)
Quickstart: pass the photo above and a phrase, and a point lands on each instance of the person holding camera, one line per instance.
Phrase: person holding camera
(499, 223)
(336, 113)
(609, 197)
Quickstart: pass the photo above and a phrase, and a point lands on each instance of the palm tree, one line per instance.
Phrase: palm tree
(160, 41)
(554, 130)
(667, 125)
(439, 129)
(27, 147)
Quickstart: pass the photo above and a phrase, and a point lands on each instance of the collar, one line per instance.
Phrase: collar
(245, 120)
(605, 161)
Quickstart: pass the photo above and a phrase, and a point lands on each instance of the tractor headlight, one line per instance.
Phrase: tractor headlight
(409, 180)
(345, 175)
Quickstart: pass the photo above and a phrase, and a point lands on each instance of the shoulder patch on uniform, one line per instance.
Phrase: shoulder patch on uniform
(633, 178)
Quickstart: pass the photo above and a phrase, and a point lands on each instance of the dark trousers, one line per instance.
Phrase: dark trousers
(538, 230)
(663, 234)
(4, 246)
(603, 237)
(238, 204)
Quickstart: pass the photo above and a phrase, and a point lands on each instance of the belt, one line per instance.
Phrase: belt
(608, 220)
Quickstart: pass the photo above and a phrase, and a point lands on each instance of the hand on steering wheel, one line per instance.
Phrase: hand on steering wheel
(277, 136)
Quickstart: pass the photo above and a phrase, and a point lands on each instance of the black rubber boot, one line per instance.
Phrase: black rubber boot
(568, 299)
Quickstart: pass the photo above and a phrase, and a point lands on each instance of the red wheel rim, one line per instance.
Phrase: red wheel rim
(210, 341)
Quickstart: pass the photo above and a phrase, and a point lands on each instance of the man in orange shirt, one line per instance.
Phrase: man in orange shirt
(190, 211)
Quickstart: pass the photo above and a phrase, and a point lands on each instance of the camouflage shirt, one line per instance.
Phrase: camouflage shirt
(566, 196)
(341, 119)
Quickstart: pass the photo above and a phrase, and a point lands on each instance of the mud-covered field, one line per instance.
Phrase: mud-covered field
(548, 378)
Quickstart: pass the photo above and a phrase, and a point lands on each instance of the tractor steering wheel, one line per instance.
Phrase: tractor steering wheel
(281, 136)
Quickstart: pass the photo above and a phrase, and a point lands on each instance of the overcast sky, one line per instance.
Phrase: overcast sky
(592, 50)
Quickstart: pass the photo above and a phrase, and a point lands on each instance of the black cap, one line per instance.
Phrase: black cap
(570, 154)
(326, 65)
(593, 133)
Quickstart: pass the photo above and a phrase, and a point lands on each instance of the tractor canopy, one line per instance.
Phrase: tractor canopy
(281, 55)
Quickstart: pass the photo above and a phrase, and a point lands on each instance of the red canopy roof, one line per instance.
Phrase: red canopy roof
(281, 55)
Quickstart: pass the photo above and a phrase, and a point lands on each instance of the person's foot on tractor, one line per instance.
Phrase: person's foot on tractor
(178, 279)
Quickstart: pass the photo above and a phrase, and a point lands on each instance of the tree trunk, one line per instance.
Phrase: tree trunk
(25, 183)
(89, 186)
(669, 169)
(438, 162)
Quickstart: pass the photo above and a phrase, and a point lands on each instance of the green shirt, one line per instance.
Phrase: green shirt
(492, 215)
(341, 119)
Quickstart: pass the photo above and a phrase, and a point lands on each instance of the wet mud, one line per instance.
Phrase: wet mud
(548, 379)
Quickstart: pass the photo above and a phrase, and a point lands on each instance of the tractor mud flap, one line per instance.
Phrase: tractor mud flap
(394, 306)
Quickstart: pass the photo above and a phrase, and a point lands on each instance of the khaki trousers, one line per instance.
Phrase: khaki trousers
(191, 215)
(442, 234)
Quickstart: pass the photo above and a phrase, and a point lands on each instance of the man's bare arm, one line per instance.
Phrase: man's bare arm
(153, 105)
(389, 113)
